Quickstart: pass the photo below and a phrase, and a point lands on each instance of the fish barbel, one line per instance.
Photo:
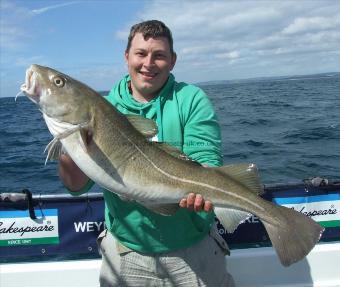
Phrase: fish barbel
(114, 150)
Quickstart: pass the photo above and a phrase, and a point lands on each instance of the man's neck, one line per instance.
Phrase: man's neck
(141, 98)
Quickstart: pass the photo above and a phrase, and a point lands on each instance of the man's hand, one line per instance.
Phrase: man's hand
(196, 202)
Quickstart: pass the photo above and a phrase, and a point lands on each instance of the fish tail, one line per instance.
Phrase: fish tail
(294, 236)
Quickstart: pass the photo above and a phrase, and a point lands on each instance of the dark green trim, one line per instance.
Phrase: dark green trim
(83, 190)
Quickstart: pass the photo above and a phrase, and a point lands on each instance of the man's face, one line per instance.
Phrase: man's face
(149, 63)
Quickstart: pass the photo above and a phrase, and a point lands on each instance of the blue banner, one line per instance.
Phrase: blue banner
(67, 227)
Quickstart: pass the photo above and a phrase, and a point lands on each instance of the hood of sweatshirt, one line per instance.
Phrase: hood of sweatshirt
(122, 99)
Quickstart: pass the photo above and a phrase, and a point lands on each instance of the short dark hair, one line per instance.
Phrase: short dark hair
(151, 29)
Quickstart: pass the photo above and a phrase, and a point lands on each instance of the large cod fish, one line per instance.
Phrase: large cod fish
(115, 152)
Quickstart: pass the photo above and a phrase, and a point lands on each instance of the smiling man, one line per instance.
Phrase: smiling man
(149, 63)
(141, 247)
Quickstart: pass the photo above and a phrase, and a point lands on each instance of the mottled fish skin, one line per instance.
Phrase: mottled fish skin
(110, 150)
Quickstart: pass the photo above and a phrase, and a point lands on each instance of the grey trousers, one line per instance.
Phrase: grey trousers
(202, 264)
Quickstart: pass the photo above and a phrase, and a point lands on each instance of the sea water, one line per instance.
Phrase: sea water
(290, 128)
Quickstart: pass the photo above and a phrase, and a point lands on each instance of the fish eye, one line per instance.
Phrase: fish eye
(59, 81)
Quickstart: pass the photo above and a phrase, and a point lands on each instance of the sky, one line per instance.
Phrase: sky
(214, 40)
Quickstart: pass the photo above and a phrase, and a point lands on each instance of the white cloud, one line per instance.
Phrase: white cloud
(99, 77)
(27, 61)
(12, 33)
(14, 24)
(51, 7)
(17, 39)
(231, 55)
(216, 39)
(213, 39)
(312, 24)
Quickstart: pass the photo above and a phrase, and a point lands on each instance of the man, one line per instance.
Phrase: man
(140, 247)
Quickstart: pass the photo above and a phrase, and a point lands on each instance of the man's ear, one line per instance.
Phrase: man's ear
(126, 56)
(173, 60)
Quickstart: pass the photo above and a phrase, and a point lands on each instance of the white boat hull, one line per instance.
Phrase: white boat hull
(250, 267)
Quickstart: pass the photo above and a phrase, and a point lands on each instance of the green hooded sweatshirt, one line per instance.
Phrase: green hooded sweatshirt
(185, 119)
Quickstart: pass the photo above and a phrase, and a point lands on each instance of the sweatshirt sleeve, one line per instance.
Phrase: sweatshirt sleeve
(201, 133)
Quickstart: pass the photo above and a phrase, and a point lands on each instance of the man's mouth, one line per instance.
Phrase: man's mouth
(148, 75)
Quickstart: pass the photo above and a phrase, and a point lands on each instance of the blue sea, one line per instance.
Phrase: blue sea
(288, 127)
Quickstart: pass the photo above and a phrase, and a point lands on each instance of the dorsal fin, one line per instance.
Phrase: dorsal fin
(145, 126)
(246, 173)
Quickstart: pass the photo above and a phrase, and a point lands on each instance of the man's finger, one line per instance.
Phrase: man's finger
(208, 206)
(199, 202)
(183, 203)
(191, 201)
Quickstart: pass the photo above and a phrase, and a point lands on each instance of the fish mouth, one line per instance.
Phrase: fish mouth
(31, 87)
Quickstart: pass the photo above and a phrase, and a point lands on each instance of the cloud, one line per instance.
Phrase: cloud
(100, 76)
(27, 61)
(231, 55)
(12, 31)
(223, 39)
(15, 31)
(51, 7)
(312, 24)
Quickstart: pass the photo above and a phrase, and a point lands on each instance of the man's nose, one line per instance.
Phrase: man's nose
(149, 60)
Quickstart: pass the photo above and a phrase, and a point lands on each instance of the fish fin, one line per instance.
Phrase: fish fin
(175, 152)
(247, 173)
(54, 149)
(165, 209)
(145, 126)
(231, 218)
(293, 236)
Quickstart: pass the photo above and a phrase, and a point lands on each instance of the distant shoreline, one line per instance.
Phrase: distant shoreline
(278, 78)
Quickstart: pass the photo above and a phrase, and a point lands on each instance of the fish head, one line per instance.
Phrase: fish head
(58, 96)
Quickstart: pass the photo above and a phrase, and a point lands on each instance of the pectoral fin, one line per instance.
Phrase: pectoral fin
(145, 126)
(54, 147)
(54, 150)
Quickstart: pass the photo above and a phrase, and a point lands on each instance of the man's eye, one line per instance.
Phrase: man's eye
(160, 56)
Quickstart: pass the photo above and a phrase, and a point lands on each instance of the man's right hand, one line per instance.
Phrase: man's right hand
(196, 202)
(70, 174)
